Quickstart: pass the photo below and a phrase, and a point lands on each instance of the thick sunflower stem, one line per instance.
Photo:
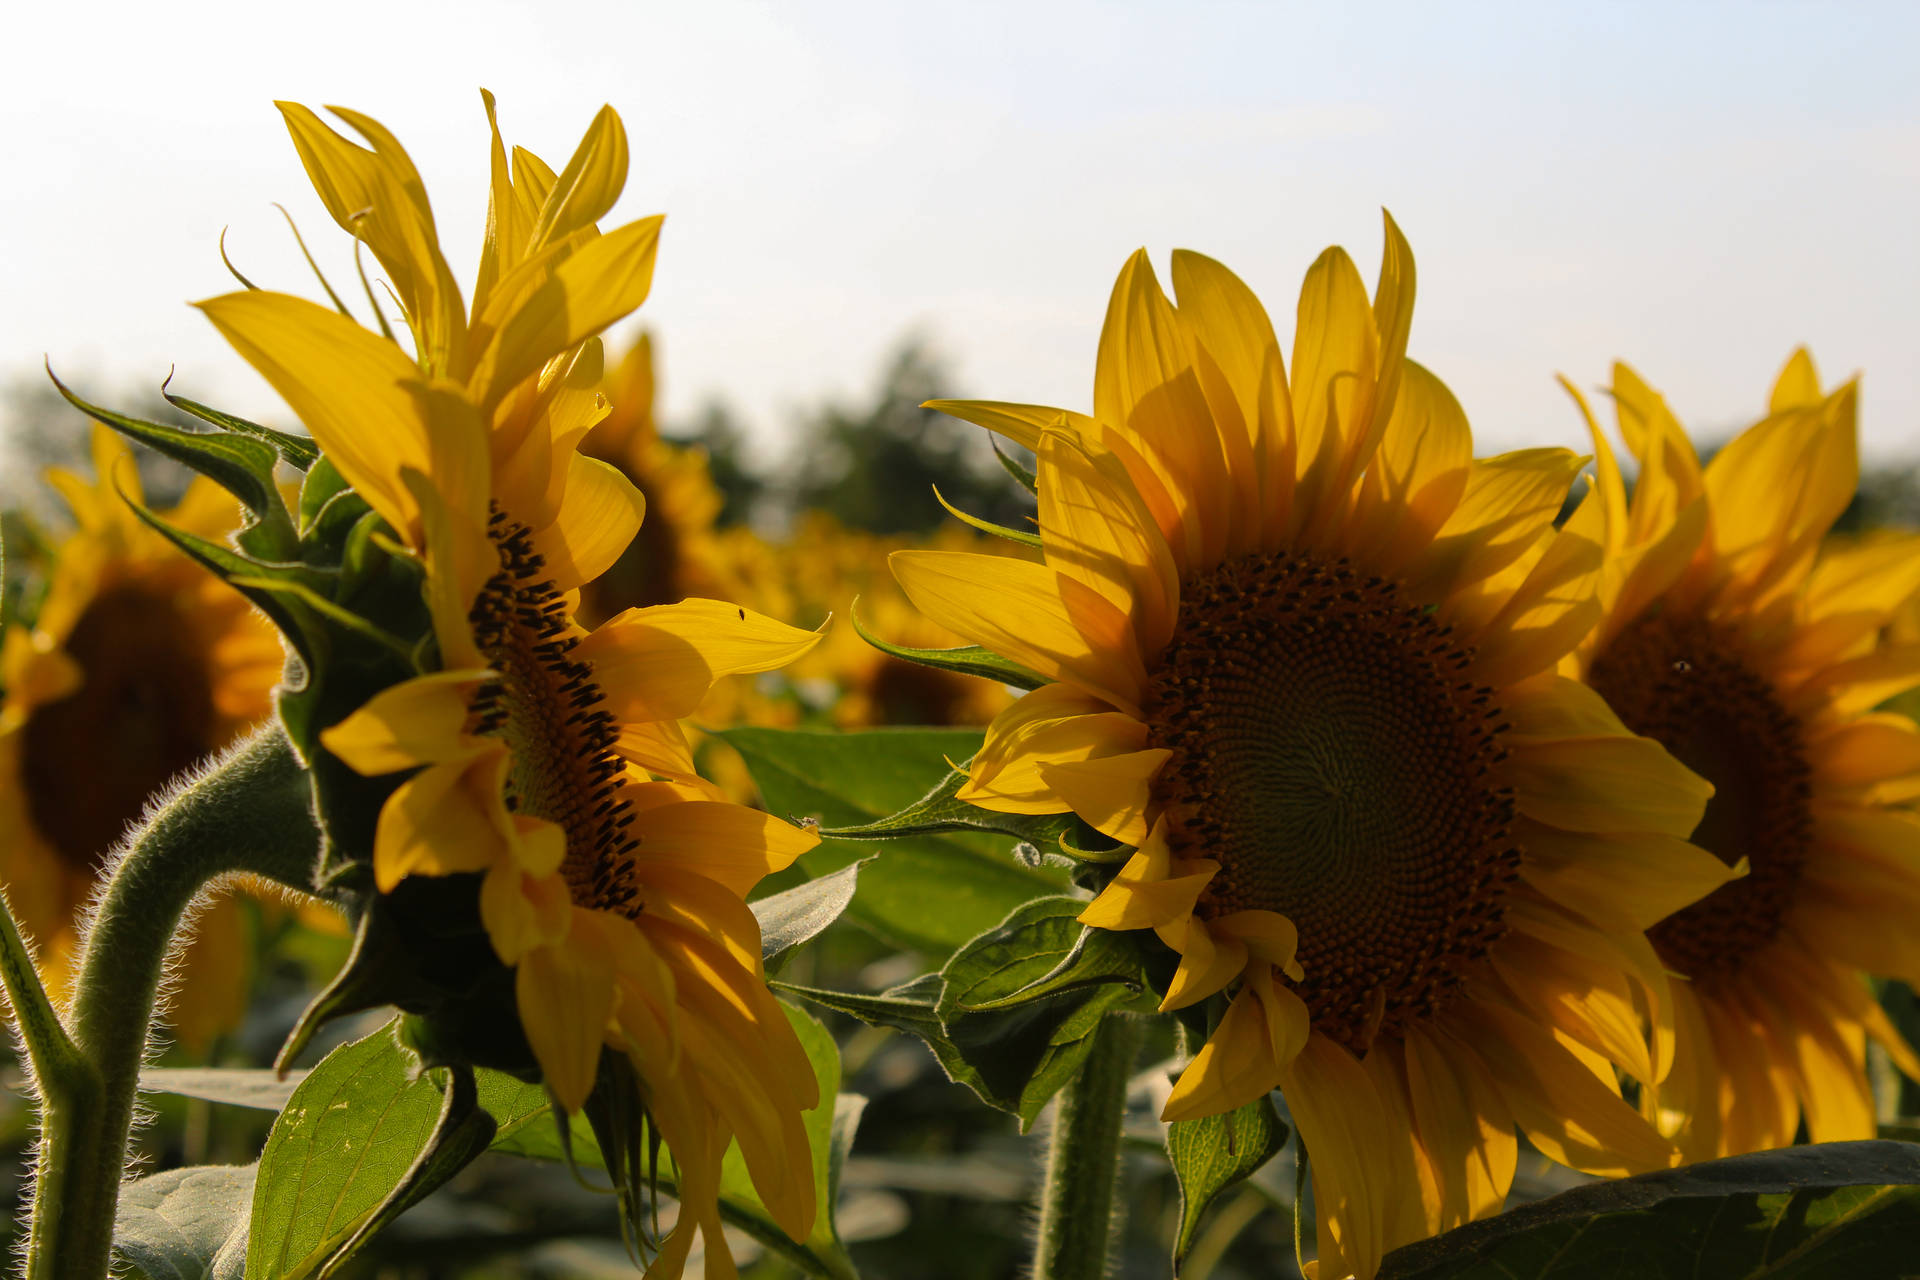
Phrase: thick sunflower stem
(249, 812)
(1083, 1159)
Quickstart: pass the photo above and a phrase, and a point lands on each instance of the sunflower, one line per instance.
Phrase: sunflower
(1758, 655)
(676, 554)
(1298, 649)
(830, 563)
(539, 756)
(139, 664)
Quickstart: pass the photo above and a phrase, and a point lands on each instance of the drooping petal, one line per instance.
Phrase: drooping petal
(1055, 723)
(419, 721)
(599, 516)
(1235, 1066)
(565, 994)
(442, 821)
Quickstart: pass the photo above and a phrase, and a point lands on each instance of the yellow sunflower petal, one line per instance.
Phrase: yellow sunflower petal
(347, 385)
(521, 911)
(1336, 357)
(1567, 1113)
(1110, 792)
(1150, 890)
(1269, 937)
(1055, 723)
(1015, 608)
(1507, 502)
(1419, 474)
(1235, 1066)
(597, 519)
(1208, 962)
(658, 663)
(1606, 784)
(1798, 384)
(440, 821)
(1637, 878)
(419, 721)
(600, 283)
(730, 843)
(1463, 1124)
(1363, 1173)
(1094, 528)
(565, 994)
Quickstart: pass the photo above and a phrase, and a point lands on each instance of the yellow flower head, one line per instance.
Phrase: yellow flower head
(1757, 655)
(1299, 650)
(540, 757)
(139, 664)
(677, 553)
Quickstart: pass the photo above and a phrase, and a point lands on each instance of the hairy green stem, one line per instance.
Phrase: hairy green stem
(1083, 1159)
(251, 811)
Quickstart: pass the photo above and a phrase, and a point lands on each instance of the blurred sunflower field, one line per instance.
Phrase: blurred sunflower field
(1231, 826)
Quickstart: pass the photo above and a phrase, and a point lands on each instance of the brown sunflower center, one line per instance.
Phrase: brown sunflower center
(907, 693)
(648, 572)
(1330, 755)
(1683, 681)
(144, 711)
(546, 706)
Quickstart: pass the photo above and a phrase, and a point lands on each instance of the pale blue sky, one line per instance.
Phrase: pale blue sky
(1695, 188)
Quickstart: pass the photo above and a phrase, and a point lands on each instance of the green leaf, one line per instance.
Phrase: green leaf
(966, 659)
(941, 811)
(242, 466)
(1805, 1213)
(361, 1138)
(322, 484)
(804, 911)
(1012, 1015)
(259, 1088)
(1213, 1155)
(186, 1224)
(300, 452)
(1020, 1003)
(930, 892)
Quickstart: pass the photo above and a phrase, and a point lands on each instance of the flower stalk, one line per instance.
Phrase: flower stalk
(250, 812)
(1083, 1159)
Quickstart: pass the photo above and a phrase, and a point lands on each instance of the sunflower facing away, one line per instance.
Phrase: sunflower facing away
(545, 757)
(140, 663)
(1300, 650)
(1756, 655)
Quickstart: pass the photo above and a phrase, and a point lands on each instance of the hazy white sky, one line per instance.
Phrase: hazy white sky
(1695, 188)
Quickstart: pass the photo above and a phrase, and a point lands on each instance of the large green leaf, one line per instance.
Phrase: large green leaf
(1013, 1012)
(362, 1137)
(803, 912)
(1212, 1155)
(930, 892)
(1806, 1213)
(260, 1088)
(186, 1224)
(1021, 1002)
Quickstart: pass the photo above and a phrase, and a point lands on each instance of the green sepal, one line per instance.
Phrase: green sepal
(1012, 1014)
(966, 660)
(1026, 479)
(423, 949)
(1020, 536)
(227, 564)
(241, 466)
(322, 484)
(941, 810)
(300, 452)
(1212, 1155)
